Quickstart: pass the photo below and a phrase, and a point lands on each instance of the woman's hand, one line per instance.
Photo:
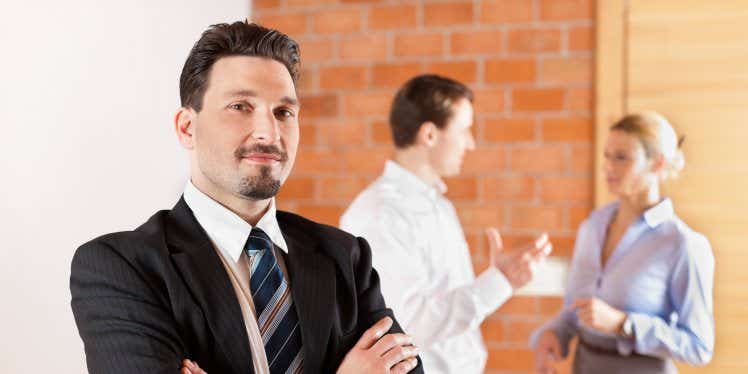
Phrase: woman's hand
(598, 315)
(547, 351)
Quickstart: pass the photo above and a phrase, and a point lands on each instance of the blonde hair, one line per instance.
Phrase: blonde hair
(657, 136)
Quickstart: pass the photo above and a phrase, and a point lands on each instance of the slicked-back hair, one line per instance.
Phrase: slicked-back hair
(236, 39)
(424, 98)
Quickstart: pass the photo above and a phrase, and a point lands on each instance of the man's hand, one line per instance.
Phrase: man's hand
(190, 367)
(379, 353)
(547, 351)
(518, 265)
(595, 313)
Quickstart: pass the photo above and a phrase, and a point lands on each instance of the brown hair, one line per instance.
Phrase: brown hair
(236, 39)
(657, 137)
(425, 98)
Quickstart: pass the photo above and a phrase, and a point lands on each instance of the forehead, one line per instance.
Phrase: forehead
(462, 113)
(621, 140)
(266, 77)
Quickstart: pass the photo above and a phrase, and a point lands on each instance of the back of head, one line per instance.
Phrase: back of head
(236, 39)
(425, 98)
(657, 136)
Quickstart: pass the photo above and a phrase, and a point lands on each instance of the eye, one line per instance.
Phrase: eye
(240, 106)
(283, 114)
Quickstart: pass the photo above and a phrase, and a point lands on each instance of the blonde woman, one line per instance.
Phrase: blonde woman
(640, 284)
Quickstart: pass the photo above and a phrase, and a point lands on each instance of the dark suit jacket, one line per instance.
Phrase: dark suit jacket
(144, 300)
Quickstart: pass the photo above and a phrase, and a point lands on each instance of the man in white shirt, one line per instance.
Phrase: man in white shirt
(418, 246)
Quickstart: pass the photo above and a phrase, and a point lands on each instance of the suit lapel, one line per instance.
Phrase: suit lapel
(204, 274)
(312, 277)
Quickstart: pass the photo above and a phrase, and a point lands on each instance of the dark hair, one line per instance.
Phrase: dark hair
(425, 98)
(236, 39)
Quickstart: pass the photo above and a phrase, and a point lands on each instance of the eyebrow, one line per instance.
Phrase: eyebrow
(243, 93)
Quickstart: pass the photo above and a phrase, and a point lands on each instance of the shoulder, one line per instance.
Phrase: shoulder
(690, 244)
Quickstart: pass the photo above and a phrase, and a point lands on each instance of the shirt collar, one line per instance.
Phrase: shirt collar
(226, 229)
(411, 182)
(659, 213)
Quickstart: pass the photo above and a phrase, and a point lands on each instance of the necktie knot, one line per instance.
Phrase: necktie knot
(258, 241)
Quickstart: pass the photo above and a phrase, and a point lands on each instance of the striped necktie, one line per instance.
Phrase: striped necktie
(276, 314)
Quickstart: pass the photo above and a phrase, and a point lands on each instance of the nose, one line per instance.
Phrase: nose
(265, 128)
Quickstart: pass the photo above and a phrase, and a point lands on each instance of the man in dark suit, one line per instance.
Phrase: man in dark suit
(223, 279)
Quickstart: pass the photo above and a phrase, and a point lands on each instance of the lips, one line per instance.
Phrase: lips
(264, 156)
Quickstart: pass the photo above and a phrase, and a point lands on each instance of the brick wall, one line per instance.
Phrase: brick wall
(530, 64)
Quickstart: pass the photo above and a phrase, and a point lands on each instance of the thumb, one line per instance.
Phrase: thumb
(494, 240)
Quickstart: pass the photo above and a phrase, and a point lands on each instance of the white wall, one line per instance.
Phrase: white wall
(87, 94)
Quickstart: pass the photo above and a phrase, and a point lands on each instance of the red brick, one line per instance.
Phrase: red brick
(563, 245)
(566, 70)
(335, 21)
(581, 158)
(343, 188)
(366, 47)
(367, 103)
(307, 80)
(370, 160)
(580, 99)
(313, 106)
(581, 38)
(293, 24)
(342, 77)
(508, 188)
(392, 17)
(314, 162)
(510, 71)
(566, 189)
(463, 71)
(489, 100)
(557, 10)
(519, 330)
(447, 14)
(476, 42)
(481, 216)
(538, 99)
(322, 213)
(509, 130)
(462, 188)
(484, 160)
(538, 158)
(577, 214)
(394, 75)
(503, 11)
(567, 129)
(307, 135)
(518, 305)
(342, 134)
(381, 133)
(545, 218)
(297, 188)
(492, 330)
(534, 40)
(420, 44)
(316, 50)
(550, 305)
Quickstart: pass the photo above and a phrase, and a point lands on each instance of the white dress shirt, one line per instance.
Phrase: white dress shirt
(419, 250)
(229, 234)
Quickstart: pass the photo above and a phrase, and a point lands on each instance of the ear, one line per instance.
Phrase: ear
(427, 134)
(184, 126)
(657, 164)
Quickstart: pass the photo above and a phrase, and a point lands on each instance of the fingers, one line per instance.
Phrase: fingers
(389, 342)
(494, 238)
(374, 332)
(399, 353)
(191, 367)
(404, 366)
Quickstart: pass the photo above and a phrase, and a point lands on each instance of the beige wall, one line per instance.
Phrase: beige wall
(689, 61)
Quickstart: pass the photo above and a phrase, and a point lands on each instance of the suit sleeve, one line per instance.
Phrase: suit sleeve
(124, 327)
(371, 304)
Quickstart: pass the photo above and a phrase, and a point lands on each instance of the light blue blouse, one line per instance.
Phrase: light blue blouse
(661, 274)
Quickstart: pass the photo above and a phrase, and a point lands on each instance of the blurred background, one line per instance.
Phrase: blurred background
(90, 90)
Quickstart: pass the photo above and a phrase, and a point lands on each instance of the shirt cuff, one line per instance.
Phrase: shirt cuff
(492, 289)
(627, 345)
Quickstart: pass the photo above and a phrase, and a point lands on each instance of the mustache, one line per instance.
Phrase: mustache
(245, 151)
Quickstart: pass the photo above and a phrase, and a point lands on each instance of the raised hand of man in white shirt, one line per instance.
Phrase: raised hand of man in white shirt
(517, 265)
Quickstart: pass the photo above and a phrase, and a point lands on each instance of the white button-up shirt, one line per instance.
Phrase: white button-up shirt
(420, 252)
(229, 234)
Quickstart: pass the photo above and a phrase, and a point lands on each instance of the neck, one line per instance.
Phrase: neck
(249, 210)
(635, 205)
(416, 161)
